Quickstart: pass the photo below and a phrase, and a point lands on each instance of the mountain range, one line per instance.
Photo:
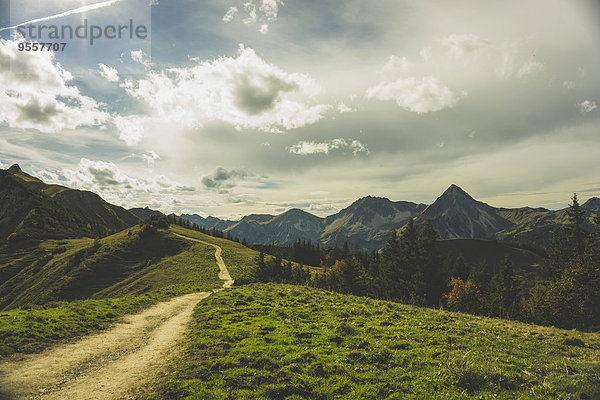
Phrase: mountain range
(369, 221)
(33, 210)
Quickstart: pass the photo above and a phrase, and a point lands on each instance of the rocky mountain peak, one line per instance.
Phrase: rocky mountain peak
(14, 169)
(456, 193)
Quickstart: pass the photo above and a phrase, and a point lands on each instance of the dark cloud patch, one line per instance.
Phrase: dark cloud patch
(37, 113)
(106, 177)
(223, 179)
(261, 94)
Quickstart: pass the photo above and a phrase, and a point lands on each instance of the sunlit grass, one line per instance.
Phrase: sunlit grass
(286, 342)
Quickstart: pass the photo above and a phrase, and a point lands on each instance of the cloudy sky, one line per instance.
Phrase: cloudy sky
(234, 107)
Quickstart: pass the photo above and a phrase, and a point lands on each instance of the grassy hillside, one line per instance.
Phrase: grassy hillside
(117, 275)
(286, 342)
(133, 261)
(535, 227)
(31, 211)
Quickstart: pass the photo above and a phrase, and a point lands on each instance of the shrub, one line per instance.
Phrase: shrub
(464, 296)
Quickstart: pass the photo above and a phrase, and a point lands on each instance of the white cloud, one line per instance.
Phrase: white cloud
(569, 85)
(228, 17)
(250, 9)
(107, 179)
(463, 45)
(34, 92)
(140, 57)
(397, 64)
(98, 174)
(244, 91)
(307, 148)
(108, 73)
(131, 128)
(263, 12)
(151, 158)
(421, 96)
(587, 106)
(531, 67)
(343, 108)
(270, 9)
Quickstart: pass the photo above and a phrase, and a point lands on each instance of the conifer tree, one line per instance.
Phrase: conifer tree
(577, 234)
(430, 279)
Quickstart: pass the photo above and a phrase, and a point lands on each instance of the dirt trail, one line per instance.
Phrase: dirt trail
(224, 273)
(109, 364)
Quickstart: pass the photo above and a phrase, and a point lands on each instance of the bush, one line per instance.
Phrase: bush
(464, 296)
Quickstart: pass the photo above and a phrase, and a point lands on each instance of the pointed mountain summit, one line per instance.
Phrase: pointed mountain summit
(593, 204)
(14, 169)
(455, 214)
(455, 192)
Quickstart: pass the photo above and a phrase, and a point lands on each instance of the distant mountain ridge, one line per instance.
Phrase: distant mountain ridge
(208, 222)
(369, 221)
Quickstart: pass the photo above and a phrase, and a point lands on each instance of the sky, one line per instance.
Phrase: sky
(228, 108)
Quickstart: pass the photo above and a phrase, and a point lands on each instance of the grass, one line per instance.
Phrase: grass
(116, 275)
(130, 262)
(32, 328)
(239, 259)
(286, 342)
(192, 270)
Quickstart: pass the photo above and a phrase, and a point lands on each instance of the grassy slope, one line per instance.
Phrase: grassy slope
(79, 269)
(238, 258)
(285, 342)
(144, 278)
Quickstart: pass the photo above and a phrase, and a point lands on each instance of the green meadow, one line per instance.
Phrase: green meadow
(272, 341)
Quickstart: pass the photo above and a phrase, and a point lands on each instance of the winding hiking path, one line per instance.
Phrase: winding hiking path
(109, 364)
(223, 272)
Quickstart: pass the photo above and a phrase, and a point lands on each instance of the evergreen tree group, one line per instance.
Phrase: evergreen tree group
(571, 299)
